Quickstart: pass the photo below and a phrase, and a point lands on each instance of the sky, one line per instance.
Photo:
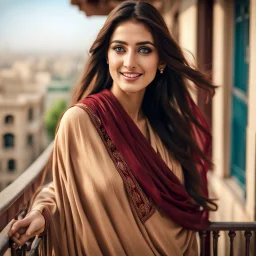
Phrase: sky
(46, 25)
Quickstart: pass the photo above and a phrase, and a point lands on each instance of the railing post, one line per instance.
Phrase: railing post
(215, 236)
(247, 235)
(231, 235)
(20, 251)
(202, 235)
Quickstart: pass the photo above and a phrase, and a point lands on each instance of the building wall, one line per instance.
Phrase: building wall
(233, 206)
(23, 153)
(251, 129)
(188, 28)
(222, 76)
(187, 31)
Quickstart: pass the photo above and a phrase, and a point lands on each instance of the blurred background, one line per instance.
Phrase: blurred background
(44, 47)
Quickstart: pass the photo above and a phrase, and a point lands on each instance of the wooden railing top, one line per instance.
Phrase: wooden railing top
(232, 226)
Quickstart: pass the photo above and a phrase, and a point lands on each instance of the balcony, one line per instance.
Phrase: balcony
(15, 198)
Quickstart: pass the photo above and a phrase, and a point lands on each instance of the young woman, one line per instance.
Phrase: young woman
(130, 156)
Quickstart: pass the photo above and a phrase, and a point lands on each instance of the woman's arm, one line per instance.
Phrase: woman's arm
(47, 204)
(36, 221)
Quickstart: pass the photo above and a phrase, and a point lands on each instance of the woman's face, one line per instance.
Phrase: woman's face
(132, 57)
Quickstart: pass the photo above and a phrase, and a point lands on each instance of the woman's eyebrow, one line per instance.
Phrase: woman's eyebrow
(139, 43)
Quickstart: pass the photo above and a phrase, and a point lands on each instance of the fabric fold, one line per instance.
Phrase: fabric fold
(151, 172)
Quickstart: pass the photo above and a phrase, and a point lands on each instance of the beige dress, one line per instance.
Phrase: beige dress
(89, 208)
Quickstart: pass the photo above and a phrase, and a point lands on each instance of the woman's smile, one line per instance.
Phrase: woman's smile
(130, 76)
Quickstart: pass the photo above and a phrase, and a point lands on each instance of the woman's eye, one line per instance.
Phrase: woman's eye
(119, 49)
(145, 50)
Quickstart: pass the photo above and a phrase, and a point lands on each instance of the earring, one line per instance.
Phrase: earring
(161, 70)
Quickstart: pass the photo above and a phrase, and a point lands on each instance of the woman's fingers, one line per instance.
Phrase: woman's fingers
(36, 227)
(16, 240)
(17, 225)
(16, 235)
(25, 237)
(22, 230)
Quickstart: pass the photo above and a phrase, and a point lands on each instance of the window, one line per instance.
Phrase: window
(9, 119)
(30, 114)
(8, 140)
(30, 139)
(11, 165)
(239, 117)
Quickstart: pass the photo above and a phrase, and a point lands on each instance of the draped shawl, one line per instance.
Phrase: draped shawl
(138, 161)
(113, 191)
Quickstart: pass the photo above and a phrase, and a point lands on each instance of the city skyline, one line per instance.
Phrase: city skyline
(45, 26)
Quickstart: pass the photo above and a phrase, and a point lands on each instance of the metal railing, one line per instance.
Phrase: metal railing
(15, 199)
(231, 227)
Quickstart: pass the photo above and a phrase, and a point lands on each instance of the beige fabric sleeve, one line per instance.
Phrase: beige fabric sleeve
(45, 198)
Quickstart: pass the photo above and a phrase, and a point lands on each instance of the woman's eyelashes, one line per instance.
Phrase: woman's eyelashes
(144, 49)
(118, 49)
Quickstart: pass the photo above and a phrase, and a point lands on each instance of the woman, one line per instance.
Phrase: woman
(130, 156)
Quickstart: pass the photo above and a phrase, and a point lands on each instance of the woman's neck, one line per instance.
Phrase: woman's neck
(131, 102)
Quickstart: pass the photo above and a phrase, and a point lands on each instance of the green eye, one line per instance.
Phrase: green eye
(119, 49)
(145, 50)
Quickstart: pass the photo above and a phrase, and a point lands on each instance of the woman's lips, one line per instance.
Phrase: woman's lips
(131, 76)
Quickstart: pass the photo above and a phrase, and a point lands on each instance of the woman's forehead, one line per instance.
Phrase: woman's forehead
(132, 32)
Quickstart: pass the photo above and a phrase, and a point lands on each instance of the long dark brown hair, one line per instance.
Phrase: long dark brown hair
(165, 103)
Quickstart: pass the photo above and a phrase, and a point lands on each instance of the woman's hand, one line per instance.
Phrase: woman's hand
(22, 230)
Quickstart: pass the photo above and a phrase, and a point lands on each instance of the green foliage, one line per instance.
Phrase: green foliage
(52, 116)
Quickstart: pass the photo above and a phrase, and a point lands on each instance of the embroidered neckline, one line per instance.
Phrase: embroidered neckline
(144, 207)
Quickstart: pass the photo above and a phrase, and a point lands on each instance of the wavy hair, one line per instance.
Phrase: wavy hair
(165, 102)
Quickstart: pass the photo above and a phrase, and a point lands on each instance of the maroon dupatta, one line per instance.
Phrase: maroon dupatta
(157, 181)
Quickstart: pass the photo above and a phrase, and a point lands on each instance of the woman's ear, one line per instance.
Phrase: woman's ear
(161, 67)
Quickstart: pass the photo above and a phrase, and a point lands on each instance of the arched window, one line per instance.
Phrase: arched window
(30, 114)
(9, 119)
(8, 140)
(11, 165)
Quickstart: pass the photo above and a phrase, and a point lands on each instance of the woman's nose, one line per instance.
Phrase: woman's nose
(130, 61)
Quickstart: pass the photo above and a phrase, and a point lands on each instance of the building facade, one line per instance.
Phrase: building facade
(221, 35)
(21, 122)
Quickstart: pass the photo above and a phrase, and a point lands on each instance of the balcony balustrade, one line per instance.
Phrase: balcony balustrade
(15, 198)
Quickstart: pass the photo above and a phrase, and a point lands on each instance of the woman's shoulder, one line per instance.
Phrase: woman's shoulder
(74, 117)
(74, 114)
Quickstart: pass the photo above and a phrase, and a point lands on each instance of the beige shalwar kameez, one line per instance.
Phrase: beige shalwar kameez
(89, 207)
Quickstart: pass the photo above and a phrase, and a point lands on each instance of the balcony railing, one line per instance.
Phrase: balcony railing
(15, 198)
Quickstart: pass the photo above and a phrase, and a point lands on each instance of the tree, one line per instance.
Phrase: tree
(52, 116)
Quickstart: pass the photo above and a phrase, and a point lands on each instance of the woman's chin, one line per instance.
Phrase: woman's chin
(132, 89)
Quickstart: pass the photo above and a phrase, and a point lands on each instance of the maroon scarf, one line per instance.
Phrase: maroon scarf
(153, 175)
